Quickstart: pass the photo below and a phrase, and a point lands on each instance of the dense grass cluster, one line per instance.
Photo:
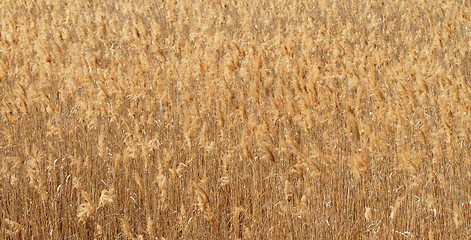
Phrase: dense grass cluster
(235, 119)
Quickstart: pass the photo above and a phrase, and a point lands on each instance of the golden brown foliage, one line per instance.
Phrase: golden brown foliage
(235, 119)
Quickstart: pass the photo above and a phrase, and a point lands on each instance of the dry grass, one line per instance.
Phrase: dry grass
(235, 119)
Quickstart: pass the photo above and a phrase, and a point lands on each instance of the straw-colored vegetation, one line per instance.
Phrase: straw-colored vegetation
(235, 119)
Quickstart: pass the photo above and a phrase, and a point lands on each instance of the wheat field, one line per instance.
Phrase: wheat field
(252, 119)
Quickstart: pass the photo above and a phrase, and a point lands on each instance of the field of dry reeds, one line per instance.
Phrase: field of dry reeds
(235, 119)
